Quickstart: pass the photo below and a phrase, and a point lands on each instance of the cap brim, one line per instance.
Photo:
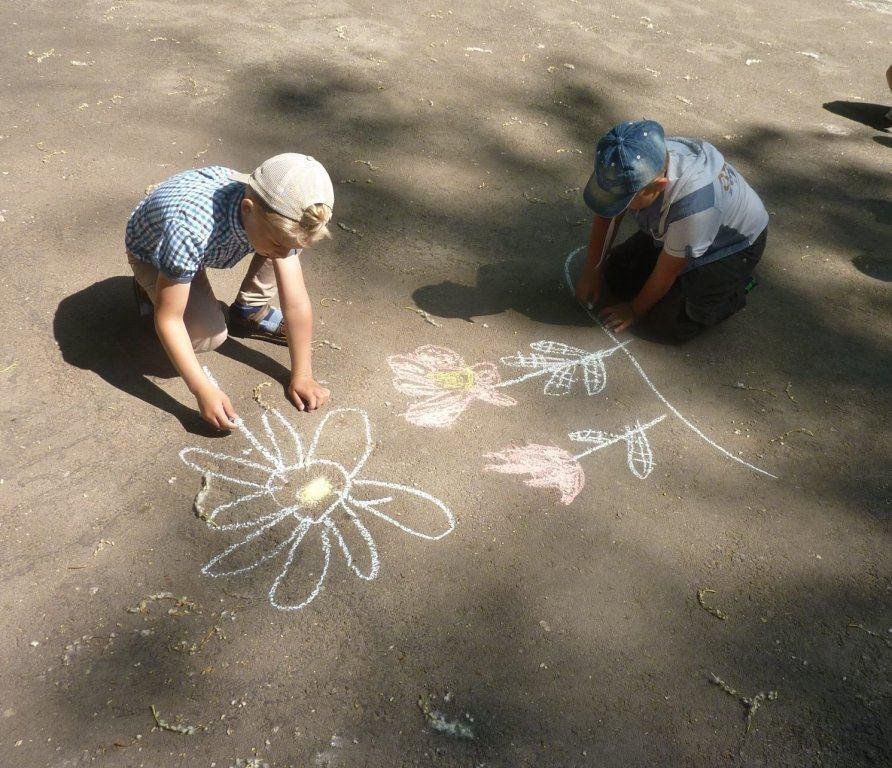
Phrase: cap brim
(244, 178)
(604, 203)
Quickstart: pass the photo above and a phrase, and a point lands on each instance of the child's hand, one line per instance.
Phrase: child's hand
(306, 393)
(619, 316)
(215, 407)
(588, 288)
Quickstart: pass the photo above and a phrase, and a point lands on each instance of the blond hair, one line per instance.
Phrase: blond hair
(312, 227)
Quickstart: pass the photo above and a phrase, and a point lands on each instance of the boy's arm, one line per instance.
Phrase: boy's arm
(303, 390)
(665, 272)
(591, 279)
(171, 297)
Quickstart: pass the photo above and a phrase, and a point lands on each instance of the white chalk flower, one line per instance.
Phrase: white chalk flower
(296, 504)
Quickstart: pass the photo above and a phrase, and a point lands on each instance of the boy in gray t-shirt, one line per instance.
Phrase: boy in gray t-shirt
(702, 230)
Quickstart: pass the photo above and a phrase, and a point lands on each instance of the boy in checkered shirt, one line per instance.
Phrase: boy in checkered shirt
(213, 218)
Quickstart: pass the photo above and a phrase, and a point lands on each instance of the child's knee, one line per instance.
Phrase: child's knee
(209, 343)
(670, 327)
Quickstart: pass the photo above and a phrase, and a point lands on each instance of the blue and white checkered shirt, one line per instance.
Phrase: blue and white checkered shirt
(189, 222)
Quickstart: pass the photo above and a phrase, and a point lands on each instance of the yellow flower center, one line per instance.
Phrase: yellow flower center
(312, 493)
(463, 378)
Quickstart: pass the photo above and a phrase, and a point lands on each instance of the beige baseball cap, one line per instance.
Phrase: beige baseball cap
(290, 183)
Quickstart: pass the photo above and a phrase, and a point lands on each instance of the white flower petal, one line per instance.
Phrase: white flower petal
(266, 451)
(343, 437)
(247, 511)
(356, 543)
(231, 469)
(409, 509)
(301, 579)
(264, 543)
(283, 439)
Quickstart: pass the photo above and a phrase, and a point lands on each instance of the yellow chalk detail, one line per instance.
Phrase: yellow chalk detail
(460, 379)
(314, 491)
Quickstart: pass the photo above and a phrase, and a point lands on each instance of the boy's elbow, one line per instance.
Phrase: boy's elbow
(167, 318)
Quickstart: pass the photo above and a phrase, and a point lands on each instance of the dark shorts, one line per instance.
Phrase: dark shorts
(699, 298)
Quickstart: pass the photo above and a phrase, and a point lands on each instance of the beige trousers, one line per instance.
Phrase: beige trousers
(204, 317)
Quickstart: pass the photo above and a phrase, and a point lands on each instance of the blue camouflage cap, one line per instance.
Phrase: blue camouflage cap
(628, 157)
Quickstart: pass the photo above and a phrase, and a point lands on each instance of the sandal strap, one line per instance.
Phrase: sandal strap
(271, 322)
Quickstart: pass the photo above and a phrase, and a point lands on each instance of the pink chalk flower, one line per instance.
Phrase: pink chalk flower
(443, 385)
(547, 466)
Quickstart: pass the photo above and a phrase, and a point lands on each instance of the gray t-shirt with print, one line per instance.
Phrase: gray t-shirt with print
(707, 211)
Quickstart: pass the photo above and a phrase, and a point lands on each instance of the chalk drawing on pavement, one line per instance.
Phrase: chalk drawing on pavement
(563, 365)
(568, 263)
(443, 386)
(293, 505)
(549, 466)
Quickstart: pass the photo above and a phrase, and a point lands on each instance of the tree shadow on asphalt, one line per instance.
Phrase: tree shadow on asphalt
(538, 696)
(98, 329)
(510, 241)
(830, 210)
(503, 656)
(486, 644)
(877, 267)
(503, 286)
(518, 248)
